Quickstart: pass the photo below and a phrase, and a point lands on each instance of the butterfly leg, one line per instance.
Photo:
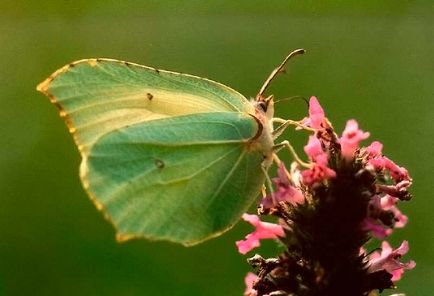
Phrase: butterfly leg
(287, 145)
(284, 123)
(269, 184)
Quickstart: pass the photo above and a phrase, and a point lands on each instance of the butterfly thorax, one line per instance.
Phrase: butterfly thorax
(263, 142)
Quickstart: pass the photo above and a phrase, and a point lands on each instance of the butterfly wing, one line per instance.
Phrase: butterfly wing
(96, 96)
(156, 157)
(184, 179)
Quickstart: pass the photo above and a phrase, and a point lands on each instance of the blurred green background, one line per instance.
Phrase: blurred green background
(369, 60)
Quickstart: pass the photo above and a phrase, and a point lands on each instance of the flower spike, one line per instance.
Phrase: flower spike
(328, 209)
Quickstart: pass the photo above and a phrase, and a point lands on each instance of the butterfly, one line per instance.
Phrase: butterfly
(165, 156)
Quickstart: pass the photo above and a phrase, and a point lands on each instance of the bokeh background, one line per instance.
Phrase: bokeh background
(369, 60)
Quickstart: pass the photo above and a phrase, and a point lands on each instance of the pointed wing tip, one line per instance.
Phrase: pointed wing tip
(43, 86)
(121, 237)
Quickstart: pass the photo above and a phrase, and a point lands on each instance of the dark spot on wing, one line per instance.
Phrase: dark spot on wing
(158, 71)
(159, 163)
(127, 64)
(149, 96)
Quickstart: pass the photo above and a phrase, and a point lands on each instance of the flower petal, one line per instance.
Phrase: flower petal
(351, 137)
(249, 281)
(264, 230)
(316, 113)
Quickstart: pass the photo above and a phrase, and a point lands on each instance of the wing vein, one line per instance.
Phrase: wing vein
(183, 179)
(225, 180)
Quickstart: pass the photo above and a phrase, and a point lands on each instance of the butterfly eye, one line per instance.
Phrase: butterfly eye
(263, 106)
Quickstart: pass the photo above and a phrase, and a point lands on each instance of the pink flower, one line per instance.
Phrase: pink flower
(289, 194)
(399, 190)
(317, 173)
(250, 280)
(378, 163)
(351, 138)
(314, 150)
(388, 203)
(377, 207)
(316, 119)
(284, 192)
(396, 172)
(400, 219)
(316, 113)
(377, 229)
(319, 170)
(374, 149)
(264, 230)
(388, 260)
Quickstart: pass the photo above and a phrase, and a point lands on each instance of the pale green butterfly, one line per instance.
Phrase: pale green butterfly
(165, 156)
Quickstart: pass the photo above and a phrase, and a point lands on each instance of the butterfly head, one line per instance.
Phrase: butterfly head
(265, 107)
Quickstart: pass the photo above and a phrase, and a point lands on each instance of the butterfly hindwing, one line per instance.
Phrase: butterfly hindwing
(183, 179)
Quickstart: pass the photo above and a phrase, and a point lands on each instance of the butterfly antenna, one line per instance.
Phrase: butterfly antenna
(276, 71)
(293, 98)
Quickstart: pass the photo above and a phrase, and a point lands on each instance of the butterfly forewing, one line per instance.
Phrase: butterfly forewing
(96, 96)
